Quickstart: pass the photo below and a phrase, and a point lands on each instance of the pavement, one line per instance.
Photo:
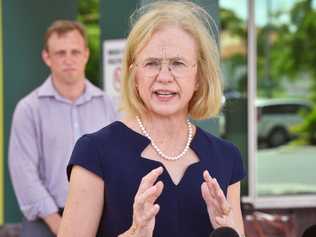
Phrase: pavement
(289, 169)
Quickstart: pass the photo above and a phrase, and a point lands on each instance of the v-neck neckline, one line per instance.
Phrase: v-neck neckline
(156, 163)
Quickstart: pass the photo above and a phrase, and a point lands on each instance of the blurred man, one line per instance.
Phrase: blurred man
(47, 123)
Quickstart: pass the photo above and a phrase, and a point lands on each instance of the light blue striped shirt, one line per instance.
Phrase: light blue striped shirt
(45, 127)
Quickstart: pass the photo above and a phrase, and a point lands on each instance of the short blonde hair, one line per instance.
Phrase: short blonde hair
(206, 101)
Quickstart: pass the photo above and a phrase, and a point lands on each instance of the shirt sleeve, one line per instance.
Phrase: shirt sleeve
(238, 172)
(112, 105)
(24, 158)
(86, 155)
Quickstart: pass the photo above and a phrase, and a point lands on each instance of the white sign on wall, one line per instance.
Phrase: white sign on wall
(112, 60)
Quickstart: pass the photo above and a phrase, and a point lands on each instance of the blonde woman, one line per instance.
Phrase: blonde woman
(154, 173)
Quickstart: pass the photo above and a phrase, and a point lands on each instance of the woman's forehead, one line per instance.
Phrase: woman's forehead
(169, 42)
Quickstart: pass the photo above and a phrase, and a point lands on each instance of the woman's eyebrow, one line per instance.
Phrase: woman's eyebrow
(162, 58)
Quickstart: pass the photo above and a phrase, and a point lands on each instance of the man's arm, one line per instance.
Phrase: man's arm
(24, 159)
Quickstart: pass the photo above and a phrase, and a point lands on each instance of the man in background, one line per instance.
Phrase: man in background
(46, 124)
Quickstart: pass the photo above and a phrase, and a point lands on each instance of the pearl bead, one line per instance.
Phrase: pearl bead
(157, 149)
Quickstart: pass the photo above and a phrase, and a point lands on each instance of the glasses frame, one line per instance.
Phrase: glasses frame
(163, 61)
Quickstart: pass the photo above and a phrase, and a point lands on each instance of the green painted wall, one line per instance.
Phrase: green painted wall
(24, 23)
(114, 22)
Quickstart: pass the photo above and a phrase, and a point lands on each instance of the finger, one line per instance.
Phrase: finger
(142, 198)
(151, 194)
(210, 183)
(226, 208)
(215, 189)
(159, 187)
(206, 175)
(209, 200)
(149, 179)
(217, 194)
(205, 193)
(151, 213)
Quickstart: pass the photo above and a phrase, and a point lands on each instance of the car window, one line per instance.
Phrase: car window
(284, 109)
(273, 109)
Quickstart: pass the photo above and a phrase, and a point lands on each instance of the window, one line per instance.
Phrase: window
(283, 127)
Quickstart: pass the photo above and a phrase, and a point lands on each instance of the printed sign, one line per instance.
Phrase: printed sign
(112, 58)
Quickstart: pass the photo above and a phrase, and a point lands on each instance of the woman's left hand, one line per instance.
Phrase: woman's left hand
(219, 209)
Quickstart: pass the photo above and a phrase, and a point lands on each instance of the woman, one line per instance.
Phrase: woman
(154, 173)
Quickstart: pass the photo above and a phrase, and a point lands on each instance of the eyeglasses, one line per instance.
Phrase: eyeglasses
(177, 67)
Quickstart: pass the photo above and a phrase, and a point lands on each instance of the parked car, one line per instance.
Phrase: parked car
(275, 117)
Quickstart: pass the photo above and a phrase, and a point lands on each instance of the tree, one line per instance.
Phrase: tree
(89, 16)
(235, 63)
(299, 56)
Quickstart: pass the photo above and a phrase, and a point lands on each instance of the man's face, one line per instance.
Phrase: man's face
(66, 56)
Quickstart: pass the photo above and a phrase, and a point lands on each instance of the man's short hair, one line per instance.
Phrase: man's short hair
(61, 27)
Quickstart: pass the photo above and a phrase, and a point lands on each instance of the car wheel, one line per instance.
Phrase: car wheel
(277, 137)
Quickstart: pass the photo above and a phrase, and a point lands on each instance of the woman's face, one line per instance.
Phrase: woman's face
(166, 72)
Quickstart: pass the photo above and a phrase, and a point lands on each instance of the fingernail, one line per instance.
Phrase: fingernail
(206, 173)
(209, 176)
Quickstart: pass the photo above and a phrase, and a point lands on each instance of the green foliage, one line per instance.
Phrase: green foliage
(89, 16)
(294, 52)
(231, 23)
(285, 50)
(301, 57)
(307, 129)
(89, 11)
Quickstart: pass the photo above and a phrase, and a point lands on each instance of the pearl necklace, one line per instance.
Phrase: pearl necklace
(157, 149)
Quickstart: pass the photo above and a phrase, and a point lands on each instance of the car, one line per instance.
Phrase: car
(275, 117)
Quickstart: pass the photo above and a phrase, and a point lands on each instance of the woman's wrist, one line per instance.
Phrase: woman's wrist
(133, 231)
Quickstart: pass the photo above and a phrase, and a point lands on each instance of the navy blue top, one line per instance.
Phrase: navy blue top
(114, 154)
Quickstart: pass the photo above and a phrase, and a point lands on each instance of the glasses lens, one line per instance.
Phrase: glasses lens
(177, 67)
(151, 67)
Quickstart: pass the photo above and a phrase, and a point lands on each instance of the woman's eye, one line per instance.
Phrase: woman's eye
(178, 64)
(152, 64)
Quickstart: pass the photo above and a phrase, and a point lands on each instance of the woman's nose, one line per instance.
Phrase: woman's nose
(165, 73)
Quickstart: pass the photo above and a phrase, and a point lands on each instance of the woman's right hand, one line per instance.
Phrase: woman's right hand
(144, 208)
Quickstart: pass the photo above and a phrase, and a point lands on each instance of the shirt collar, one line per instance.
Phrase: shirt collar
(47, 89)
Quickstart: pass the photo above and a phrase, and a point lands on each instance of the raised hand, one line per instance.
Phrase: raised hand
(144, 208)
(219, 210)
